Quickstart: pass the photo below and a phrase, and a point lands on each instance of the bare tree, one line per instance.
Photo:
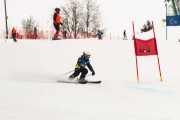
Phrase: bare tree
(28, 26)
(91, 16)
(65, 19)
(173, 7)
(80, 16)
(72, 17)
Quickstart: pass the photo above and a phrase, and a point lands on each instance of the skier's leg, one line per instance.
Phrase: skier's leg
(56, 26)
(56, 34)
(14, 38)
(75, 74)
(84, 73)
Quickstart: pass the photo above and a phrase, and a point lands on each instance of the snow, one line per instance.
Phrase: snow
(29, 69)
(29, 90)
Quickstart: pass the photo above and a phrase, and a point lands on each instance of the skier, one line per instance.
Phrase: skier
(124, 35)
(99, 34)
(14, 34)
(80, 67)
(56, 22)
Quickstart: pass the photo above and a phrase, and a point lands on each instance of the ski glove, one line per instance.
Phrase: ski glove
(93, 73)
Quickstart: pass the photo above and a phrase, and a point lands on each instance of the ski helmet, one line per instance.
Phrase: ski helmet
(86, 54)
(57, 9)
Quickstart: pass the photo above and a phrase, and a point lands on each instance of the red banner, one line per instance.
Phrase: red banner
(145, 47)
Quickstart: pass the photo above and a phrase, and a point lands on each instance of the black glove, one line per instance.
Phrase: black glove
(93, 73)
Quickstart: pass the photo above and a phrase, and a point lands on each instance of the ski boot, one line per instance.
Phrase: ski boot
(55, 38)
(71, 77)
(82, 81)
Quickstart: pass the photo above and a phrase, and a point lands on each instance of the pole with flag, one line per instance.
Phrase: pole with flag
(145, 48)
(135, 53)
(157, 52)
(166, 20)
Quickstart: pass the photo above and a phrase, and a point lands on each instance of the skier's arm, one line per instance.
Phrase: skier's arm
(54, 17)
(91, 68)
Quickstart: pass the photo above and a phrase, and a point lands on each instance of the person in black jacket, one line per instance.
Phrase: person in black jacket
(80, 67)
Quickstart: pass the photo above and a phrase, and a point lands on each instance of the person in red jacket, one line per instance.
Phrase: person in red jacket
(14, 34)
(57, 22)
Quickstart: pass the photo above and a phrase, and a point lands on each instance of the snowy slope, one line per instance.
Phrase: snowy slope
(29, 91)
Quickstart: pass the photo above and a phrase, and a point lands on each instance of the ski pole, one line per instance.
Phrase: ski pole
(69, 72)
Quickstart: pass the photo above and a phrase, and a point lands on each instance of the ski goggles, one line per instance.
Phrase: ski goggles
(87, 56)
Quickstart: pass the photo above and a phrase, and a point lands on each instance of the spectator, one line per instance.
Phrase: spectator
(99, 35)
(65, 34)
(124, 35)
(35, 33)
(14, 34)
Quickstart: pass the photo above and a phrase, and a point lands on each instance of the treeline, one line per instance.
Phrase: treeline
(78, 17)
(81, 17)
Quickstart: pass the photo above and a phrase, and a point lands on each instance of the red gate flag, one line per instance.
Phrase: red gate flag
(145, 47)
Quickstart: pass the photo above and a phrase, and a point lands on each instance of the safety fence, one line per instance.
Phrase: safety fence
(45, 35)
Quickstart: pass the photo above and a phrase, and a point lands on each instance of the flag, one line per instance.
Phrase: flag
(173, 20)
(145, 47)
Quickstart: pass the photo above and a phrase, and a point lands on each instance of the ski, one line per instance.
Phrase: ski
(77, 82)
(96, 82)
(88, 81)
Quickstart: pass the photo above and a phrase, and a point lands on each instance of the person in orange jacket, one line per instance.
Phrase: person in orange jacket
(14, 34)
(57, 22)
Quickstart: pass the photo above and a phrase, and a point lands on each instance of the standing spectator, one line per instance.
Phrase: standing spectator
(65, 34)
(56, 22)
(14, 34)
(99, 35)
(124, 35)
(35, 33)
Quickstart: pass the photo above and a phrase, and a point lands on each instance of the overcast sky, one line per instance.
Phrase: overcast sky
(117, 15)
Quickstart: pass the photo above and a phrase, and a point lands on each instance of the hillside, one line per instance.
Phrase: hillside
(29, 71)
